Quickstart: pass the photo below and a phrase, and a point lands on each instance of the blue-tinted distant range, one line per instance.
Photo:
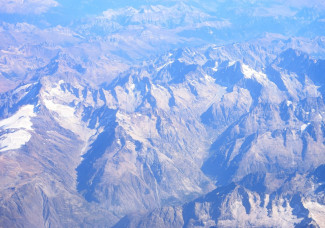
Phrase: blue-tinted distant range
(162, 113)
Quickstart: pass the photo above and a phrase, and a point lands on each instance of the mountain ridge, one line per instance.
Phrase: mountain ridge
(133, 141)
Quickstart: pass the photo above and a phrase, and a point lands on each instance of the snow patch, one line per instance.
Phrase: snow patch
(20, 88)
(251, 73)
(303, 127)
(215, 68)
(17, 127)
(57, 101)
(208, 78)
(164, 65)
(316, 211)
(63, 110)
(289, 103)
(231, 63)
(21, 119)
(15, 140)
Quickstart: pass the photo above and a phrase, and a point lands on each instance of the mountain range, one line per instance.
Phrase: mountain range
(164, 115)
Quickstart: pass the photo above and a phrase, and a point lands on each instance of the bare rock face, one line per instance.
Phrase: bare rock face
(243, 205)
(272, 137)
(191, 139)
(39, 158)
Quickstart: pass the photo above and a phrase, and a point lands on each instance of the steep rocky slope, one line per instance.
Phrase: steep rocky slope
(163, 134)
(264, 159)
(298, 203)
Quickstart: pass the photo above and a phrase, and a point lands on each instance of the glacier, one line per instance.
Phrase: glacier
(16, 129)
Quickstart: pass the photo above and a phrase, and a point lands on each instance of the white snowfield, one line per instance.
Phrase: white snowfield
(57, 101)
(15, 130)
(316, 211)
